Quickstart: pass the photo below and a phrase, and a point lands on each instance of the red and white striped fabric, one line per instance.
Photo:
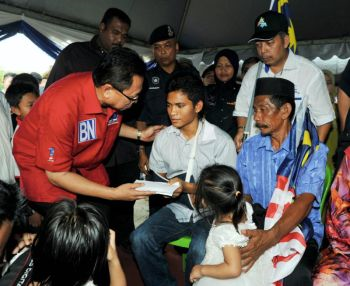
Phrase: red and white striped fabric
(290, 249)
(288, 252)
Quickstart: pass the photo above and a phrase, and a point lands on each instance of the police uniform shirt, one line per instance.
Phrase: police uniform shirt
(221, 100)
(154, 109)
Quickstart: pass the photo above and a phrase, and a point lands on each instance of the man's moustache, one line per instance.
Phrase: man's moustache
(261, 125)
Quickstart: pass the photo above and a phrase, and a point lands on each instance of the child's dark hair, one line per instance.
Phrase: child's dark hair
(190, 84)
(71, 245)
(16, 91)
(12, 204)
(220, 189)
(28, 79)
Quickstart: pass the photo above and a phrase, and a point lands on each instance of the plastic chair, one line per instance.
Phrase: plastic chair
(326, 191)
(183, 242)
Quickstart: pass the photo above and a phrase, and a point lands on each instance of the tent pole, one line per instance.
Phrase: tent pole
(183, 19)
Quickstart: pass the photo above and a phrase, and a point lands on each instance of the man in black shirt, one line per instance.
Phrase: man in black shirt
(85, 56)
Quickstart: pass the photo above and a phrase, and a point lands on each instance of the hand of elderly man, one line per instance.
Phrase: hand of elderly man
(259, 242)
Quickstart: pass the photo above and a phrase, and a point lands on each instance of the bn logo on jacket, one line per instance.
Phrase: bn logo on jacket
(87, 130)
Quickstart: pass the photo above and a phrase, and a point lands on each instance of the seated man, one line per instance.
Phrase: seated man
(259, 164)
(189, 136)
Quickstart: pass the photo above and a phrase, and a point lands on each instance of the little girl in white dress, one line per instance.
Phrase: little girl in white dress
(220, 189)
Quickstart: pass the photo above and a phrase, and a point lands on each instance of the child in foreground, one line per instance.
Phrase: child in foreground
(220, 189)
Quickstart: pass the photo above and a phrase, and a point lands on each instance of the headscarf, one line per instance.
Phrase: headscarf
(232, 56)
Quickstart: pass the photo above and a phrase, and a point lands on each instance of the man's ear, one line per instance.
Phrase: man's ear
(101, 27)
(286, 41)
(15, 110)
(286, 110)
(177, 47)
(107, 90)
(199, 106)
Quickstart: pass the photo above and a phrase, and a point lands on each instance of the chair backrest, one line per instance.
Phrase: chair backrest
(182, 242)
(326, 189)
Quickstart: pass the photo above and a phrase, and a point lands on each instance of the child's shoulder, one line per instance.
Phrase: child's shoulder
(226, 234)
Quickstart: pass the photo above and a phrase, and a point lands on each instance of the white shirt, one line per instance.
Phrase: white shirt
(8, 165)
(171, 151)
(310, 91)
(7, 108)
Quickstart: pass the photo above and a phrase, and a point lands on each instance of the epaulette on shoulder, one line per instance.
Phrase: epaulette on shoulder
(151, 65)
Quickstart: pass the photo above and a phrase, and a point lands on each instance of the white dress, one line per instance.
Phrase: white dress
(223, 235)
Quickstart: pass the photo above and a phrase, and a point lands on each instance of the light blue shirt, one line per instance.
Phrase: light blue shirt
(257, 164)
(171, 152)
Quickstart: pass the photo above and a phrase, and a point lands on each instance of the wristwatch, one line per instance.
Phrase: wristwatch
(138, 134)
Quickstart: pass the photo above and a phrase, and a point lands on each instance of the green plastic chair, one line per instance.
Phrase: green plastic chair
(183, 242)
(326, 191)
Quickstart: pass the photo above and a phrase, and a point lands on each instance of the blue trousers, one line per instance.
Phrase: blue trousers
(149, 239)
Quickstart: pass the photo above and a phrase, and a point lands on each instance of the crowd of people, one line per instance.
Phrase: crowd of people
(249, 160)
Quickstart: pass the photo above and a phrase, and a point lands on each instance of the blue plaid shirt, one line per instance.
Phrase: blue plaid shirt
(257, 164)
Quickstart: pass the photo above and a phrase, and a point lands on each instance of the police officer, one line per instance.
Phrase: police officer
(221, 97)
(165, 48)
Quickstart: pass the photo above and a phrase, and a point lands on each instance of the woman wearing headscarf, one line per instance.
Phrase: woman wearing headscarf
(221, 97)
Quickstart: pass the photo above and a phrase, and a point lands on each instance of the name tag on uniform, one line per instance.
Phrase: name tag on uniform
(87, 130)
(297, 95)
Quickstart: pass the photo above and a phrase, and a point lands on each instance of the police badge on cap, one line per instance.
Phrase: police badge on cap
(162, 33)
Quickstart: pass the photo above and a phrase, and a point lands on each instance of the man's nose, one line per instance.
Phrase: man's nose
(173, 110)
(263, 48)
(257, 117)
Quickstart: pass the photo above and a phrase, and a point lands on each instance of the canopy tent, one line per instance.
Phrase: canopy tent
(202, 26)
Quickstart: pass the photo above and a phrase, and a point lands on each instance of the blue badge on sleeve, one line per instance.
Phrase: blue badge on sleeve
(113, 119)
(51, 154)
(87, 130)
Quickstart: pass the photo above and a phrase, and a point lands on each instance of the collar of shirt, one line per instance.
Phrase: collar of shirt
(92, 104)
(160, 70)
(290, 63)
(19, 121)
(265, 142)
(206, 134)
(95, 45)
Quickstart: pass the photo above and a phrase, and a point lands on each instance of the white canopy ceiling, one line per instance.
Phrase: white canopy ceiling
(202, 26)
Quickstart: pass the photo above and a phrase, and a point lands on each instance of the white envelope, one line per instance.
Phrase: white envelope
(158, 187)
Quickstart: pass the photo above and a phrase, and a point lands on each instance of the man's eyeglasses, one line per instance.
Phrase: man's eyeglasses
(132, 99)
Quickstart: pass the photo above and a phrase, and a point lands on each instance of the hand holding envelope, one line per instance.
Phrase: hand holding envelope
(159, 188)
